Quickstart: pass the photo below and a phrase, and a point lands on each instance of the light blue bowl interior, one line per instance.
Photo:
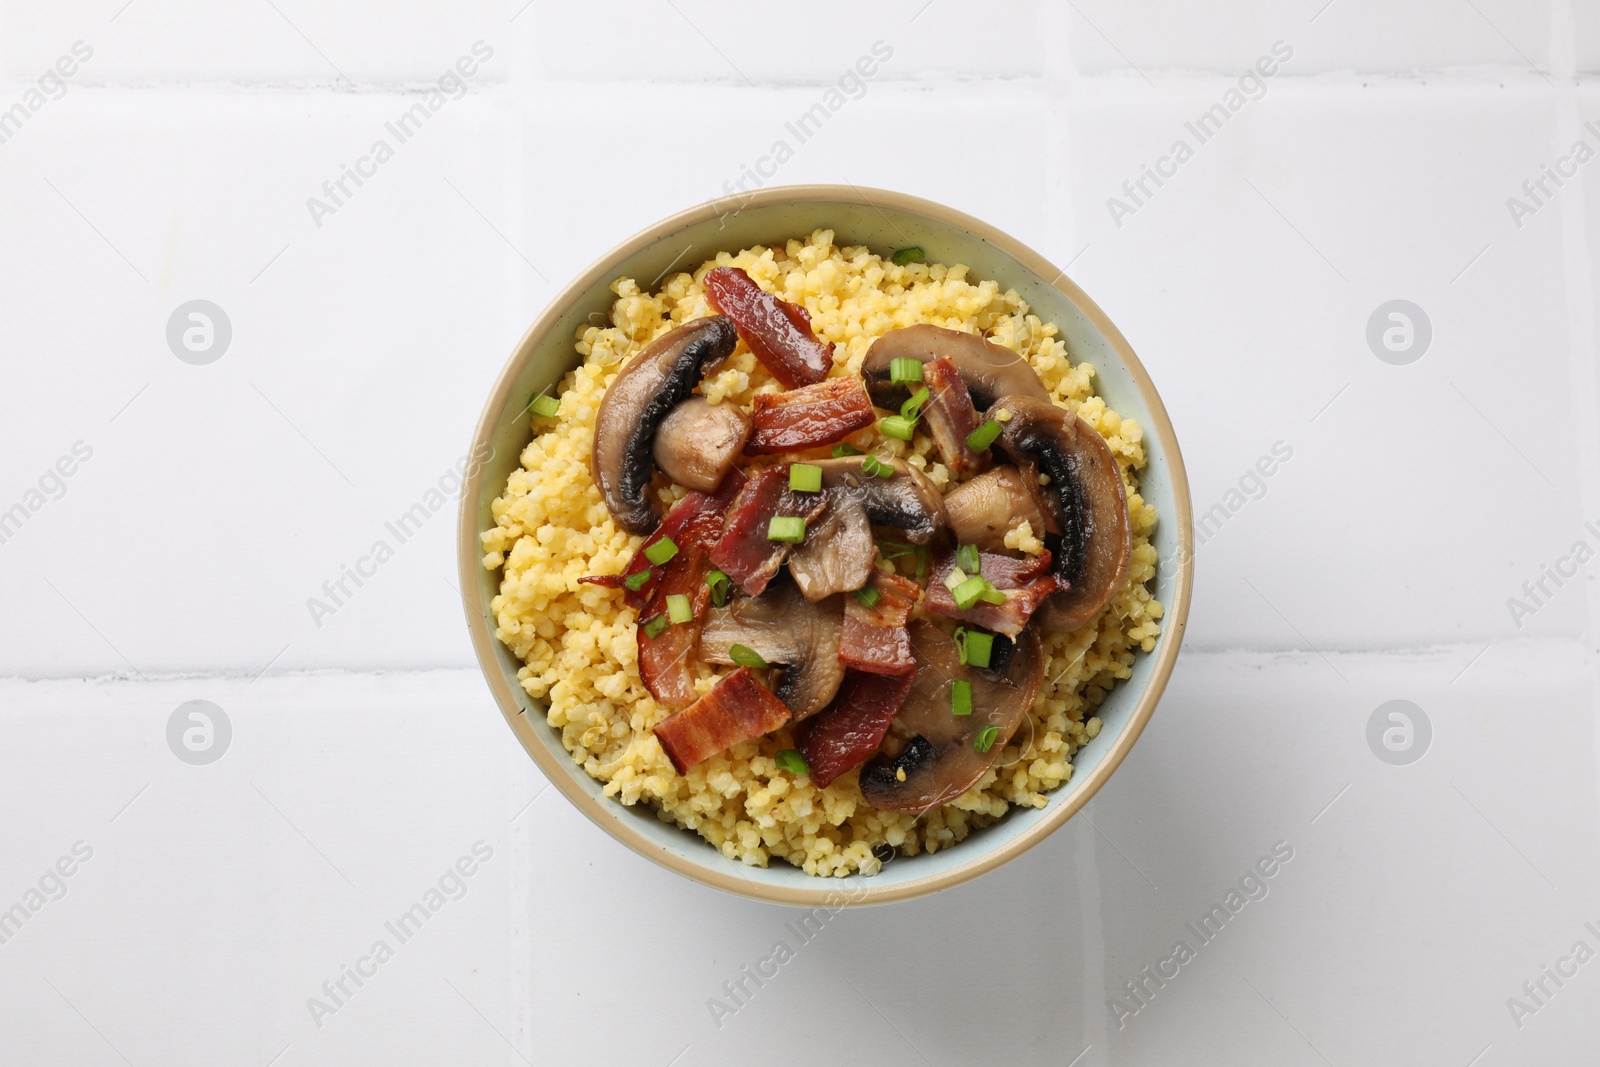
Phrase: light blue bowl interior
(883, 231)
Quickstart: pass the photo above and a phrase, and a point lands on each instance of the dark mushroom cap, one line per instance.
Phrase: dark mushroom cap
(1087, 501)
(990, 370)
(941, 761)
(907, 500)
(638, 399)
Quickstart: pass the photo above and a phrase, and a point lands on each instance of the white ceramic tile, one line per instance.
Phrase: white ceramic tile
(724, 41)
(214, 500)
(218, 898)
(1585, 38)
(1359, 35)
(872, 141)
(282, 41)
(220, 498)
(1246, 283)
(384, 781)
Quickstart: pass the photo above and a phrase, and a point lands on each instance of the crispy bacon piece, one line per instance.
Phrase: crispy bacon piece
(848, 732)
(1025, 582)
(814, 415)
(665, 660)
(950, 416)
(738, 709)
(875, 639)
(744, 552)
(777, 332)
(695, 520)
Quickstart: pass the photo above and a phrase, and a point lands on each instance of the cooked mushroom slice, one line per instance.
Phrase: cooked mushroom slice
(698, 441)
(638, 399)
(990, 370)
(906, 499)
(783, 627)
(981, 512)
(838, 553)
(1087, 501)
(942, 760)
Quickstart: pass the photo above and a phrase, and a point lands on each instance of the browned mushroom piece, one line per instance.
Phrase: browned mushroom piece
(783, 627)
(982, 511)
(838, 552)
(906, 500)
(943, 760)
(653, 383)
(698, 441)
(990, 370)
(1086, 500)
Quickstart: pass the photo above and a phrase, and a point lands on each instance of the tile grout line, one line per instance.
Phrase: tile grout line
(1578, 270)
(1579, 274)
(1174, 79)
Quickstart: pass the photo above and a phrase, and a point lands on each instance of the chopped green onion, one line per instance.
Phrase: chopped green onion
(846, 449)
(967, 558)
(898, 426)
(904, 370)
(910, 254)
(546, 406)
(636, 580)
(661, 551)
(966, 594)
(874, 465)
(654, 625)
(984, 435)
(923, 556)
(977, 648)
(913, 407)
(790, 529)
(961, 697)
(990, 595)
(805, 478)
(986, 738)
(745, 656)
(678, 608)
(719, 588)
(868, 595)
(894, 550)
(954, 578)
(790, 760)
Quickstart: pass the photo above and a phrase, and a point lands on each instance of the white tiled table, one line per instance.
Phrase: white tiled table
(366, 758)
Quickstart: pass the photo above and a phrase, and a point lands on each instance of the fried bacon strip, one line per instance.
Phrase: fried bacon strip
(848, 731)
(1025, 582)
(744, 553)
(665, 660)
(776, 331)
(813, 415)
(949, 415)
(695, 520)
(875, 639)
(738, 709)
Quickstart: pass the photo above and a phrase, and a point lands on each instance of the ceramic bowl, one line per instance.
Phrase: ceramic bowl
(883, 221)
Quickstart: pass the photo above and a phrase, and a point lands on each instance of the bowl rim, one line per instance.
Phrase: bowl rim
(728, 875)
